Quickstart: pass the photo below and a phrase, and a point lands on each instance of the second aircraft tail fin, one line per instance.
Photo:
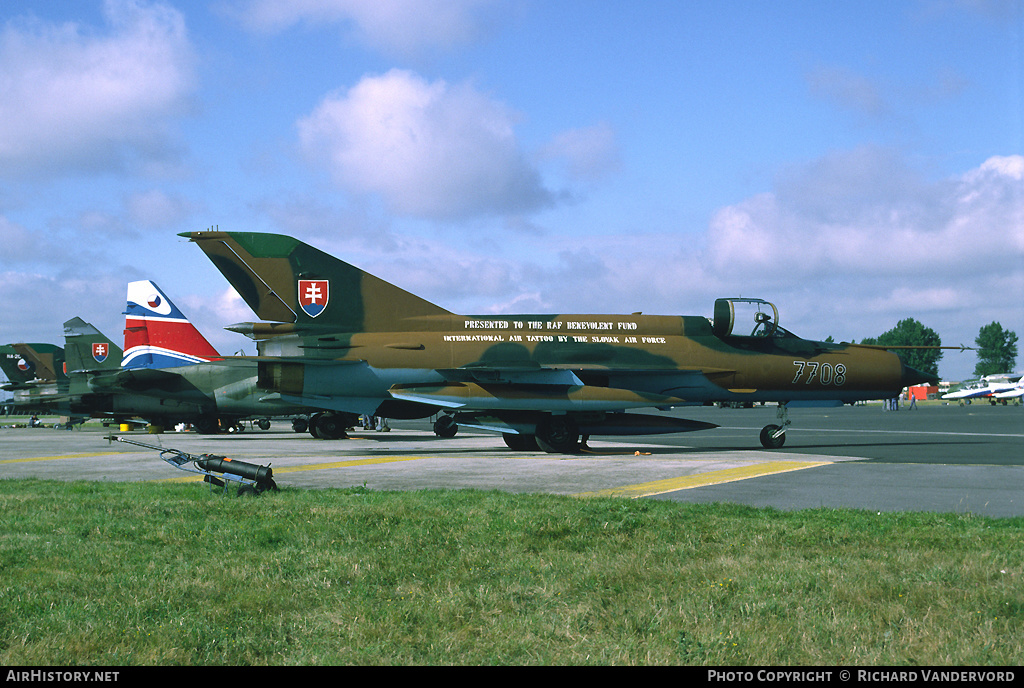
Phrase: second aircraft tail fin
(157, 334)
(86, 349)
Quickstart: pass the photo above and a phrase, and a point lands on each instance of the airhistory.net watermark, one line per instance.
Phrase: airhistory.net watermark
(61, 676)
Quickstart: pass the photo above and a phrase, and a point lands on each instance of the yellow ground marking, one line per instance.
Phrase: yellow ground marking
(311, 467)
(57, 458)
(688, 482)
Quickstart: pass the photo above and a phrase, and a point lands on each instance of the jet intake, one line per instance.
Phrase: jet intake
(285, 378)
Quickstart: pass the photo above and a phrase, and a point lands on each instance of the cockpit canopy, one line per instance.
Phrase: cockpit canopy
(733, 316)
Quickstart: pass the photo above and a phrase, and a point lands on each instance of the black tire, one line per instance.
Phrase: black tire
(520, 442)
(769, 442)
(313, 422)
(207, 425)
(331, 426)
(558, 435)
(445, 427)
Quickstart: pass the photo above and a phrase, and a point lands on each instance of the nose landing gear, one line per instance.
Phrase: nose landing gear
(774, 436)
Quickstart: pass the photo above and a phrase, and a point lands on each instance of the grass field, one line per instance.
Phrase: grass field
(143, 574)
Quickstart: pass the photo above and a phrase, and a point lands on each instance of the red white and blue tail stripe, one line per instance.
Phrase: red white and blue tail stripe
(157, 334)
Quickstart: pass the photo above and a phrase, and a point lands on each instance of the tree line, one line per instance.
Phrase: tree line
(996, 347)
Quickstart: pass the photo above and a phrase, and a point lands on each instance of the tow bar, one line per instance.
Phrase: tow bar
(216, 470)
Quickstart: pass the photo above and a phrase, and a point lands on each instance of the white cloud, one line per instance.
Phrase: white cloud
(210, 312)
(856, 241)
(41, 248)
(34, 306)
(74, 98)
(885, 244)
(875, 221)
(431, 150)
(588, 152)
(400, 26)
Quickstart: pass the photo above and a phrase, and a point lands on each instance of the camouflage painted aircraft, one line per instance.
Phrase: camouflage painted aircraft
(35, 374)
(169, 372)
(340, 338)
(39, 362)
(90, 353)
(62, 389)
(14, 368)
(87, 353)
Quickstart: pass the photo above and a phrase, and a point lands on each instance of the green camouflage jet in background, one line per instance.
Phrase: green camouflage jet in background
(339, 338)
(169, 373)
(100, 388)
(87, 353)
(175, 375)
(35, 375)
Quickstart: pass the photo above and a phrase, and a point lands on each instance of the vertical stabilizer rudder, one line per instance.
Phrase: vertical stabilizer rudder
(285, 280)
(157, 334)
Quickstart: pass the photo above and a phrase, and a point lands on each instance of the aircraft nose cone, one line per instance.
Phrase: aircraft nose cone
(913, 376)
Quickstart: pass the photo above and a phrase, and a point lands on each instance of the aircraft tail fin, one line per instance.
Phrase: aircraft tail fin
(43, 362)
(9, 365)
(157, 334)
(284, 280)
(86, 349)
(21, 364)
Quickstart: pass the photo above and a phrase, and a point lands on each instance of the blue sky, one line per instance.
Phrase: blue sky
(855, 163)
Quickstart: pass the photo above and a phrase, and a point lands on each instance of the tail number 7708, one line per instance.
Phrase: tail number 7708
(825, 373)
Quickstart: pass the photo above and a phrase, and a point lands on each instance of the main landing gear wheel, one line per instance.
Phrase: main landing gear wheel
(769, 438)
(207, 425)
(558, 435)
(445, 427)
(328, 426)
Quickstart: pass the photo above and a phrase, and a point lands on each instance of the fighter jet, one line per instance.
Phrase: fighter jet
(57, 385)
(36, 363)
(64, 387)
(90, 353)
(339, 338)
(85, 379)
(21, 371)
